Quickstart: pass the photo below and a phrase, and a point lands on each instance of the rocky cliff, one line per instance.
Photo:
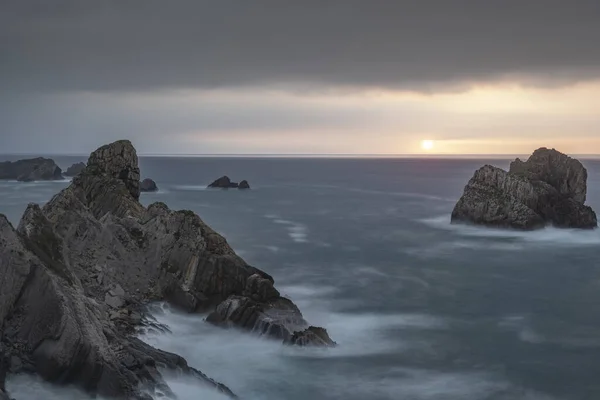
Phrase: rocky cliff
(76, 273)
(548, 189)
(33, 169)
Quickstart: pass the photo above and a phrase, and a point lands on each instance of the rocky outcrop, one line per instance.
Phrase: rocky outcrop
(75, 169)
(225, 183)
(148, 185)
(244, 185)
(76, 274)
(33, 169)
(548, 189)
(117, 160)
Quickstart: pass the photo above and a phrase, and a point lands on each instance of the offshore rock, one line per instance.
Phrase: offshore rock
(225, 183)
(548, 189)
(244, 185)
(33, 169)
(148, 185)
(77, 273)
(75, 169)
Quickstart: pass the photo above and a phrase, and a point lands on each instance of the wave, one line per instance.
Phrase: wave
(296, 231)
(29, 387)
(554, 236)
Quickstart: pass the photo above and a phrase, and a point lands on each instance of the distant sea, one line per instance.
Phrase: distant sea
(421, 309)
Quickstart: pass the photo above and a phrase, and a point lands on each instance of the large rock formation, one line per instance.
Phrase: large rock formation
(76, 274)
(75, 169)
(148, 185)
(547, 189)
(33, 169)
(225, 183)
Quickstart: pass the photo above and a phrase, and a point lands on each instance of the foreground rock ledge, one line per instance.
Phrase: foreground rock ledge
(77, 273)
(548, 189)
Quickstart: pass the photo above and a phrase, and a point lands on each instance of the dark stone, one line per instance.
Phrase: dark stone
(311, 336)
(75, 169)
(34, 169)
(223, 183)
(148, 185)
(548, 189)
(244, 185)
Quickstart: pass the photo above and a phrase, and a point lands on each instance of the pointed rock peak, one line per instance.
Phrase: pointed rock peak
(119, 160)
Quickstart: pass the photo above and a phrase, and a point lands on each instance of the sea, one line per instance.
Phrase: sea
(420, 309)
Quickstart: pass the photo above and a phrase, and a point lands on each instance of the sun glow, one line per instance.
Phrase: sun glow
(427, 145)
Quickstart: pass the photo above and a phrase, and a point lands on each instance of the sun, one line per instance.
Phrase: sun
(427, 145)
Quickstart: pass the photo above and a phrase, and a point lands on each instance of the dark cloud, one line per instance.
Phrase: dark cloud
(133, 45)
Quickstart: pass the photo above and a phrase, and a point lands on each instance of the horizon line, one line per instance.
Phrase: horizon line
(306, 155)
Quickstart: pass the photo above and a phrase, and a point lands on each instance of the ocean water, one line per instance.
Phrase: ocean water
(421, 309)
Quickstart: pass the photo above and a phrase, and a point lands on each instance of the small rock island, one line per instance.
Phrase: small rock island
(148, 185)
(78, 272)
(548, 189)
(225, 183)
(75, 169)
(32, 169)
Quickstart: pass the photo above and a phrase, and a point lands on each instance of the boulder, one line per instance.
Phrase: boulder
(75, 169)
(148, 185)
(548, 189)
(78, 272)
(33, 169)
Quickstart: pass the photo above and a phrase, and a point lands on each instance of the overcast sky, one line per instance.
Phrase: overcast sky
(322, 76)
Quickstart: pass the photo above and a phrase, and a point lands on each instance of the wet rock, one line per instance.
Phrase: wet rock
(260, 289)
(548, 189)
(311, 336)
(33, 169)
(278, 318)
(75, 169)
(148, 185)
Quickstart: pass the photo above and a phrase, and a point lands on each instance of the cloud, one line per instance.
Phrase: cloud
(425, 45)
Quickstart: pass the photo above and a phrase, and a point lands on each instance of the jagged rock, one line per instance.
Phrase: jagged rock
(549, 188)
(148, 185)
(75, 169)
(278, 318)
(311, 336)
(244, 185)
(223, 183)
(34, 169)
(78, 272)
(117, 160)
(260, 289)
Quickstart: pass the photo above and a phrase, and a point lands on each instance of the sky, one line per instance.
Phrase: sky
(300, 77)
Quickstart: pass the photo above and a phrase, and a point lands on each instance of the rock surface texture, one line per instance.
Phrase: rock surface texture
(148, 185)
(33, 169)
(548, 189)
(76, 274)
(75, 169)
(225, 183)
